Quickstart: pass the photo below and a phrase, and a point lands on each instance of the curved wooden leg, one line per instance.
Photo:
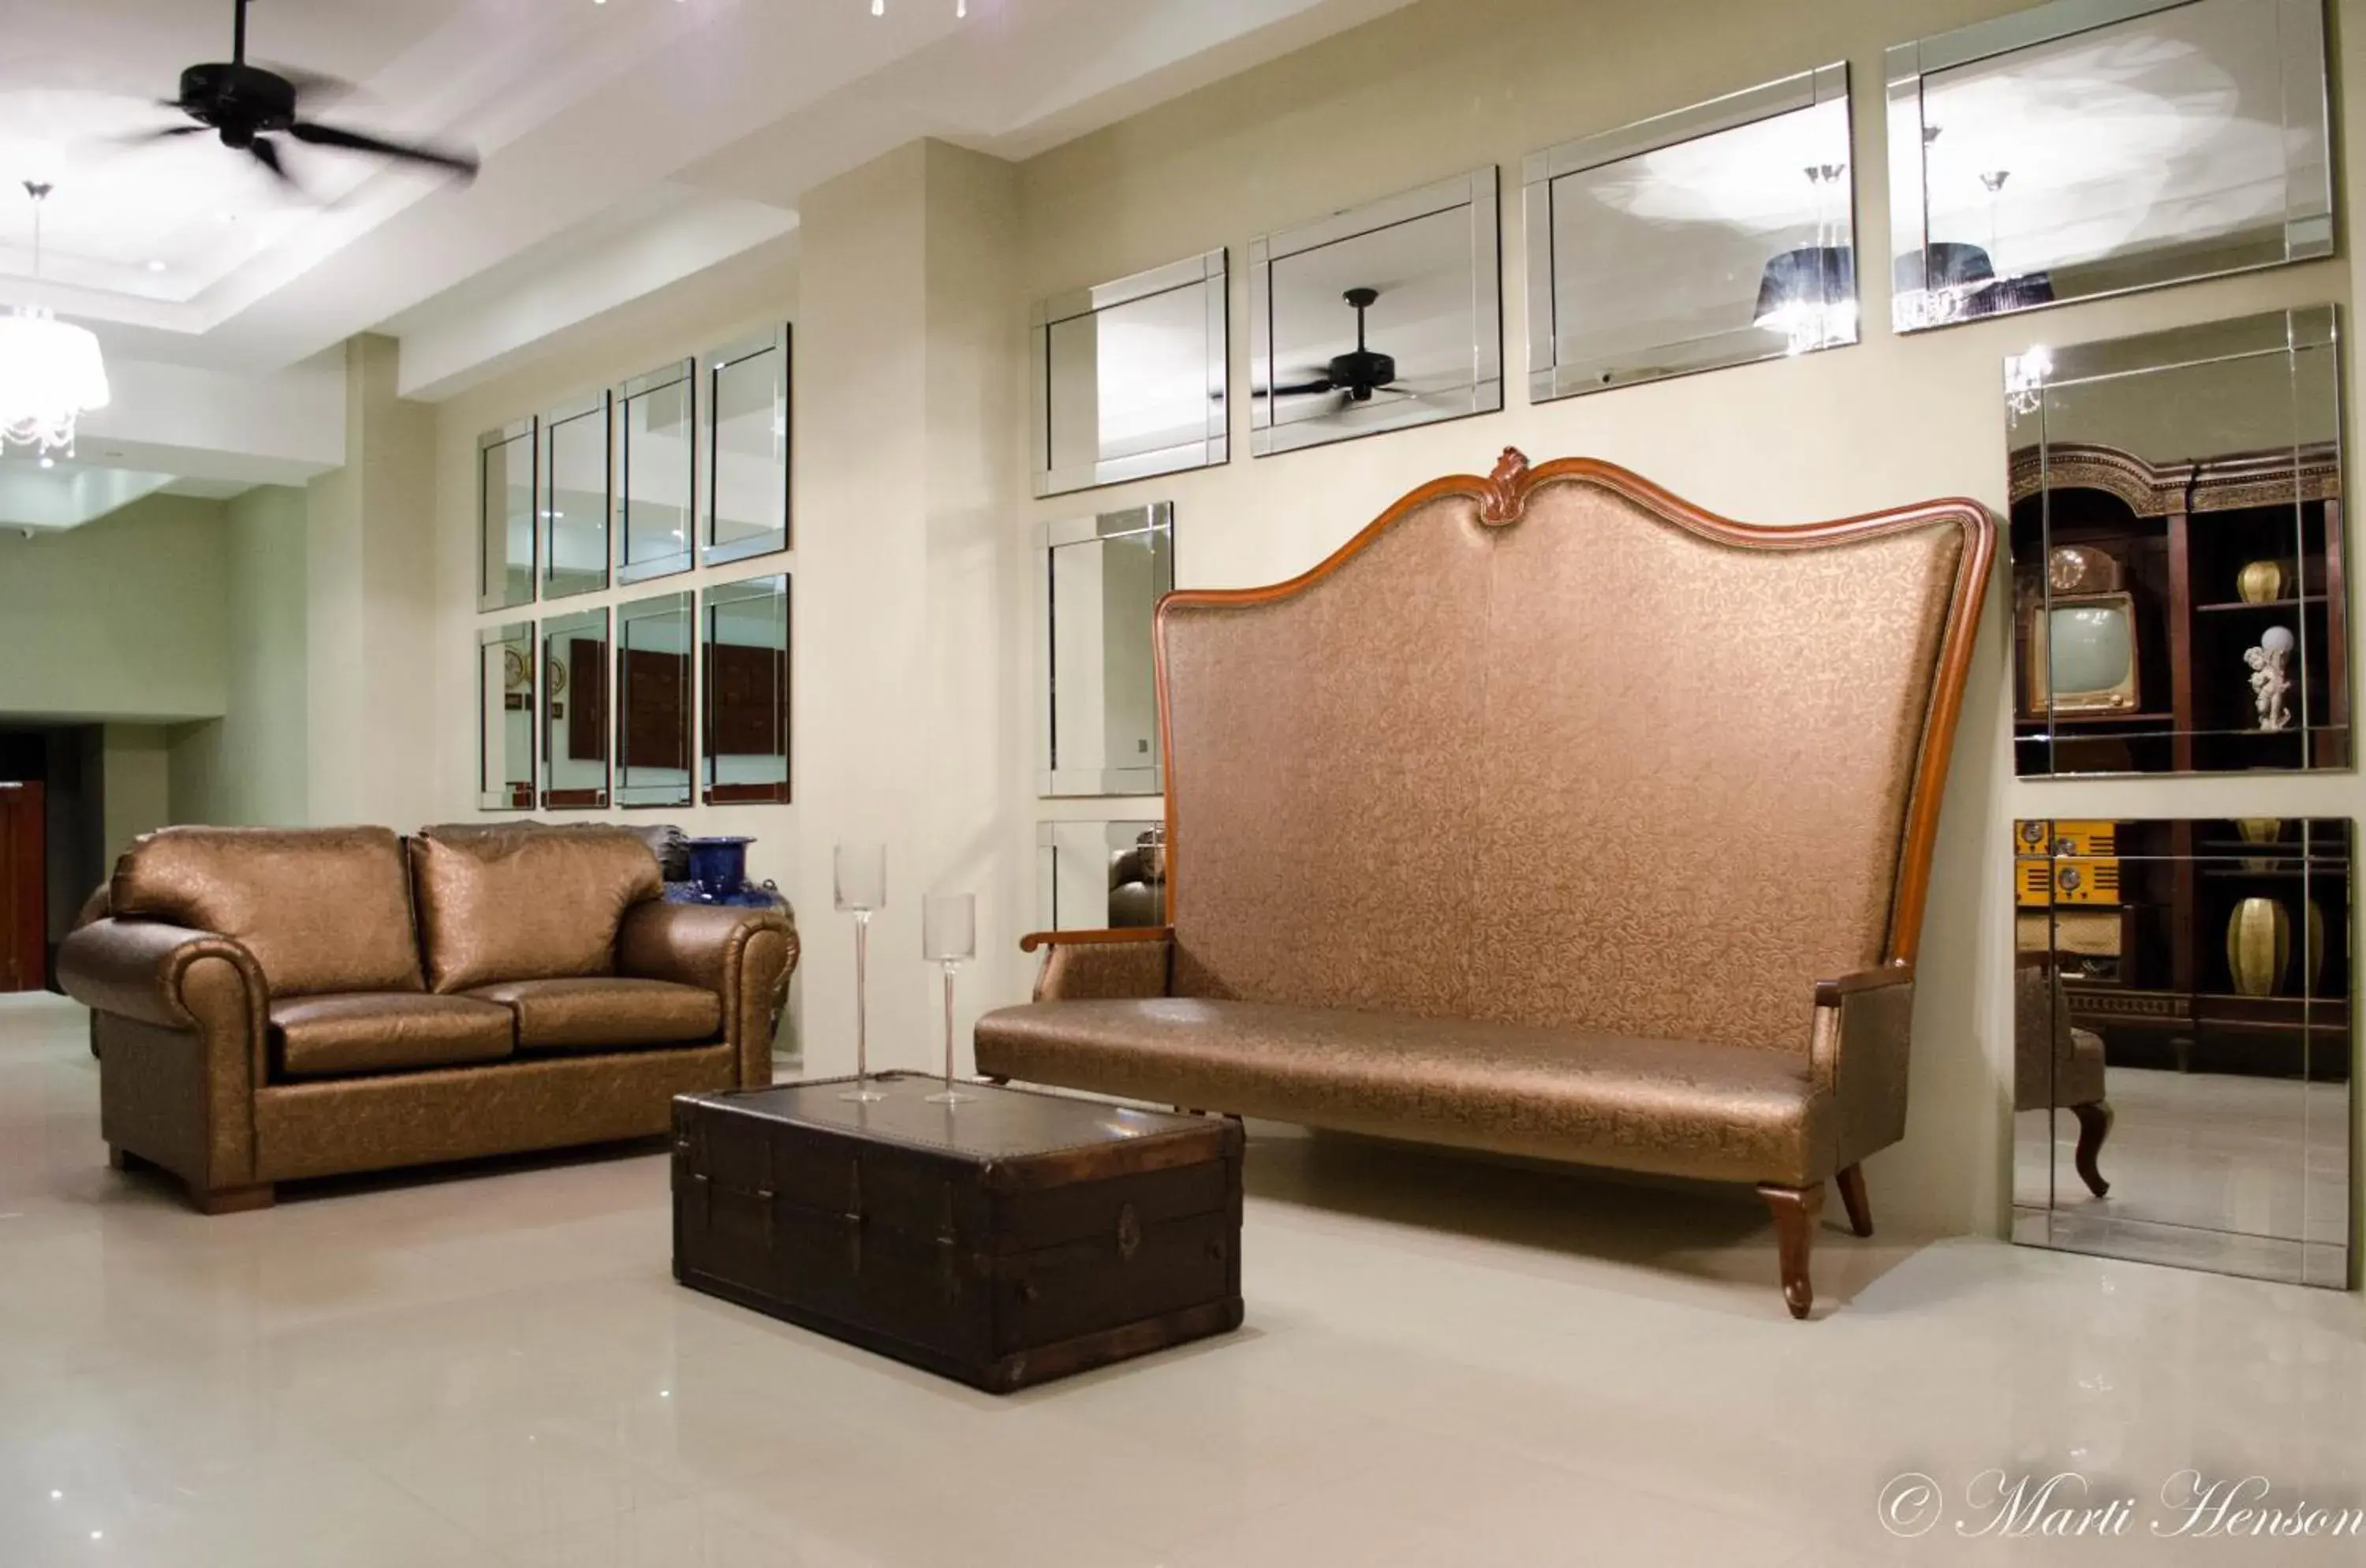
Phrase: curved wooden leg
(1796, 1210)
(1860, 1212)
(2094, 1126)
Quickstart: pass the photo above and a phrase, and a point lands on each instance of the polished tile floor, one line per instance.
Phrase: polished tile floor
(1444, 1364)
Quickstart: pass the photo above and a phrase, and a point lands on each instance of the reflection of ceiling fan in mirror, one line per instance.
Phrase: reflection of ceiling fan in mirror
(245, 105)
(1356, 374)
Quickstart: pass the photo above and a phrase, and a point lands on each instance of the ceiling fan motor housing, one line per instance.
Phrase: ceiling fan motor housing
(1359, 370)
(238, 100)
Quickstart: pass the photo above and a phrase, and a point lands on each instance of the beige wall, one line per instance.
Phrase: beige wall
(123, 617)
(251, 765)
(136, 774)
(914, 629)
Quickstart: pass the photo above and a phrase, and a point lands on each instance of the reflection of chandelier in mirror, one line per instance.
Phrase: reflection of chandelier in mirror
(1809, 293)
(50, 371)
(2024, 380)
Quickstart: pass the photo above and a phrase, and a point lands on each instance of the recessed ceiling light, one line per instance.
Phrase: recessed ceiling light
(155, 265)
(48, 462)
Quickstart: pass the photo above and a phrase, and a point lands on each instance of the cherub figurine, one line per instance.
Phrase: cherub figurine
(2269, 682)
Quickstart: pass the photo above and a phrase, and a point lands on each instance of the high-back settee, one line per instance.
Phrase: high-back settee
(1554, 816)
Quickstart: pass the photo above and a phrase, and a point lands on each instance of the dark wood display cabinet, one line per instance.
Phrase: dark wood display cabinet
(2152, 973)
(2180, 536)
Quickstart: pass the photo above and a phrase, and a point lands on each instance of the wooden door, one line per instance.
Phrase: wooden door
(24, 876)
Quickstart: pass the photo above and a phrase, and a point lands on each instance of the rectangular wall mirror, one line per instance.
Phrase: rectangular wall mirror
(657, 493)
(575, 710)
(1716, 235)
(575, 476)
(1129, 378)
(746, 682)
(1380, 317)
(2091, 147)
(654, 638)
(747, 452)
(1100, 875)
(505, 508)
(2181, 1045)
(505, 710)
(1101, 579)
(2180, 588)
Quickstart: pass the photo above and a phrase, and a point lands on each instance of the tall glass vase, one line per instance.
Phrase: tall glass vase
(861, 890)
(949, 937)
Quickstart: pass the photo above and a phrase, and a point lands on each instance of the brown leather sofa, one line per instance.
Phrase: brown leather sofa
(273, 1004)
(1553, 816)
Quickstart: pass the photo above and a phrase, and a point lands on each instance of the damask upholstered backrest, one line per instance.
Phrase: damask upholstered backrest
(1591, 758)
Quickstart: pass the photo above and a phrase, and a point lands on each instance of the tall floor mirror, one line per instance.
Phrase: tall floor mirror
(2181, 1042)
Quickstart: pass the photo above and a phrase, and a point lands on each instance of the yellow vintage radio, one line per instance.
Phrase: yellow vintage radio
(2066, 862)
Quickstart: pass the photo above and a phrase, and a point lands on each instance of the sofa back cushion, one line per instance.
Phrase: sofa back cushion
(321, 909)
(521, 904)
(1597, 767)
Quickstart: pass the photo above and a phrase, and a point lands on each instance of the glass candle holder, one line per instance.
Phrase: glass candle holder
(949, 937)
(860, 889)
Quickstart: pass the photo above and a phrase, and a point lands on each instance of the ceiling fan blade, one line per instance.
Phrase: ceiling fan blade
(313, 88)
(141, 137)
(268, 157)
(330, 136)
(1307, 389)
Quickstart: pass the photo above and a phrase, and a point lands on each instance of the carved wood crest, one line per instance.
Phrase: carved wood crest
(1506, 493)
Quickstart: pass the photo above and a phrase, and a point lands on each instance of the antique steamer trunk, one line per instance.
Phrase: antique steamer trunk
(1008, 1240)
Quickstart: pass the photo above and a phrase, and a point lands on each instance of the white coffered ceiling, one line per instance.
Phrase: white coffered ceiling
(708, 115)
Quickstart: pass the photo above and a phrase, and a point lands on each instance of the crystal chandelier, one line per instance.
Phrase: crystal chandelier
(2024, 380)
(51, 372)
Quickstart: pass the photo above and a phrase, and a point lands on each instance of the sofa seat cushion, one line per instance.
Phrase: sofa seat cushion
(1676, 1107)
(377, 1032)
(602, 1013)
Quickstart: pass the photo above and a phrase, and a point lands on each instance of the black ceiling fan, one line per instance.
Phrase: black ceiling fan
(1356, 374)
(247, 104)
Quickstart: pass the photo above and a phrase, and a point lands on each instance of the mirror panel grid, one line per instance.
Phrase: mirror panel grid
(1716, 235)
(1378, 317)
(654, 639)
(505, 516)
(1100, 875)
(2092, 147)
(2181, 1042)
(2179, 581)
(1100, 580)
(575, 484)
(745, 636)
(505, 710)
(1129, 378)
(575, 711)
(657, 492)
(747, 426)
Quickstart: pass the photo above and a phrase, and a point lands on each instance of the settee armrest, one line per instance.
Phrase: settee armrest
(1128, 962)
(744, 954)
(140, 970)
(1857, 1053)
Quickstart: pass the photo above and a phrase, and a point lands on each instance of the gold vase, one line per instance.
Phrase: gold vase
(2258, 946)
(2260, 830)
(2260, 582)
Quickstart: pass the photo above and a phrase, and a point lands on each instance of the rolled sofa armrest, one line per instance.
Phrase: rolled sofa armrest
(1130, 963)
(744, 954)
(1857, 1053)
(140, 970)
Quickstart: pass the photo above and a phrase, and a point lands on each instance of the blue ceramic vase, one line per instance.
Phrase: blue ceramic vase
(718, 874)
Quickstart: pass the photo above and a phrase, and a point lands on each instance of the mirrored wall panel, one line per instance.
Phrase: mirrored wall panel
(505, 508)
(505, 710)
(2181, 1047)
(1101, 579)
(1716, 235)
(2090, 147)
(747, 455)
(575, 473)
(1100, 875)
(654, 638)
(746, 682)
(1381, 316)
(2180, 598)
(657, 493)
(575, 710)
(1129, 378)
